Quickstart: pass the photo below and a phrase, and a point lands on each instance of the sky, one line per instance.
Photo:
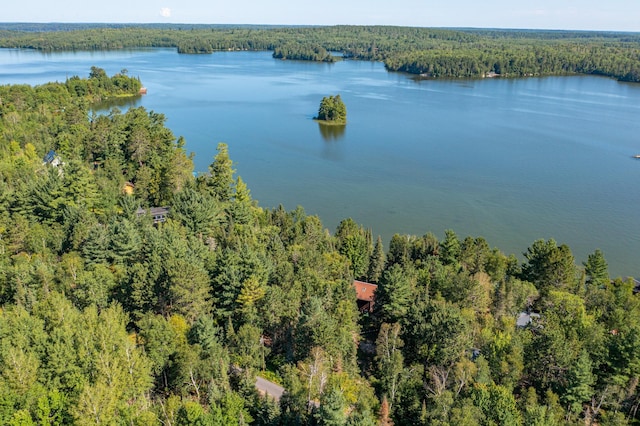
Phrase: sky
(614, 15)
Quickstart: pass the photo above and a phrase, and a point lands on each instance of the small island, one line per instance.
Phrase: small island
(332, 111)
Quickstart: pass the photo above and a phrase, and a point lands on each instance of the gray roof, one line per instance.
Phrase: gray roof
(525, 318)
(159, 214)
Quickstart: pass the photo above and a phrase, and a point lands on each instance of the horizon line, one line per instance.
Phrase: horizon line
(473, 28)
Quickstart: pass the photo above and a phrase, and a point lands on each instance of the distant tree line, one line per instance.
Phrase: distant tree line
(303, 52)
(437, 53)
(519, 61)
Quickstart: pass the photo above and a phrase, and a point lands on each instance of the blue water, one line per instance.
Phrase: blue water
(509, 160)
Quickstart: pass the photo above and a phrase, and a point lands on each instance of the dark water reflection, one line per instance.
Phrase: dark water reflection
(123, 103)
(331, 132)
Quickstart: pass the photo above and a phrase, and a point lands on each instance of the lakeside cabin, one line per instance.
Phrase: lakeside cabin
(159, 214)
(365, 295)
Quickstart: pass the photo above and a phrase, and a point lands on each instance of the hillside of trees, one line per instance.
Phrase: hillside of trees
(433, 53)
(107, 317)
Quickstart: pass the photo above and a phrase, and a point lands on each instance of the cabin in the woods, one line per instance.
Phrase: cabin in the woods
(365, 295)
(52, 158)
(159, 214)
(527, 318)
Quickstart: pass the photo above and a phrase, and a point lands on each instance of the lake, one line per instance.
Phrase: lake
(510, 160)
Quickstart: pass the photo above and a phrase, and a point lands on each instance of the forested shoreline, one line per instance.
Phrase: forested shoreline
(431, 53)
(109, 315)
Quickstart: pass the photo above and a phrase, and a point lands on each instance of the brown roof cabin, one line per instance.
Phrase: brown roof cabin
(365, 295)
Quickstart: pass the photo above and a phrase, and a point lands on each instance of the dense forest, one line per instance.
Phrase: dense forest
(303, 52)
(431, 53)
(109, 315)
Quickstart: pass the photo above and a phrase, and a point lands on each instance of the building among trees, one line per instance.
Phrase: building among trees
(365, 295)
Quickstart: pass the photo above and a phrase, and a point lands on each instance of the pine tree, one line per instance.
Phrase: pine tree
(549, 266)
(394, 294)
(95, 248)
(376, 262)
(199, 213)
(354, 244)
(242, 203)
(597, 269)
(332, 409)
(220, 183)
(125, 241)
(399, 249)
(450, 248)
(580, 381)
(189, 288)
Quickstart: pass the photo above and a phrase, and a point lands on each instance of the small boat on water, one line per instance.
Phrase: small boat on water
(637, 156)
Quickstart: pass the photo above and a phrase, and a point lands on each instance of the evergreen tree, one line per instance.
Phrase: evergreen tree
(192, 414)
(355, 244)
(242, 204)
(95, 248)
(200, 213)
(450, 248)
(579, 388)
(399, 250)
(549, 266)
(332, 409)
(80, 186)
(376, 262)
(474, 253)
(189, 288)
(437, 334)
(246, 349)
(266, 412)
(596, 269)
(139, 295)
(220, 183)
(394, 295)
(125, 241)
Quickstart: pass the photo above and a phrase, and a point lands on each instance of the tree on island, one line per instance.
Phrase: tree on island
(333, 110)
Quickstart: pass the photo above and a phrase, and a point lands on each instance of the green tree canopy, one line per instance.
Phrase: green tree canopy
(332, 109)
